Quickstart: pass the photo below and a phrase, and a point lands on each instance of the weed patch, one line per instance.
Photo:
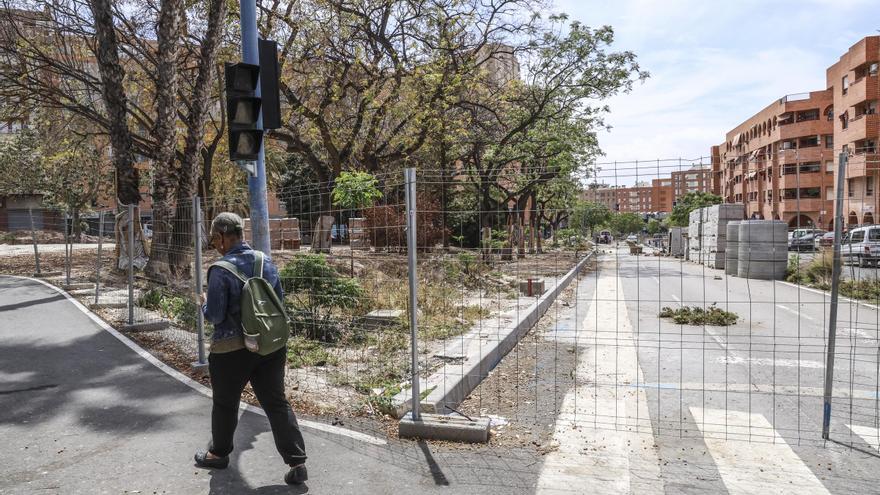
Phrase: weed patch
(693, 315)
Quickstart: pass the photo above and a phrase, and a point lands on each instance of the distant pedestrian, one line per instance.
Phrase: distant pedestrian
(232, 365)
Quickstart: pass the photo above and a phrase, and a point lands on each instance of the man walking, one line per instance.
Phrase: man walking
(232, 365)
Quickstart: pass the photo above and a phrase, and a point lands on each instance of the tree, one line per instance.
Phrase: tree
(588, 215)
(688, 203)
(626, 223)
(354, 190)
(653, 226)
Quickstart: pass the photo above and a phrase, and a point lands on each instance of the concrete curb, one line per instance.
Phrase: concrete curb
(189, 382)
(454, 382)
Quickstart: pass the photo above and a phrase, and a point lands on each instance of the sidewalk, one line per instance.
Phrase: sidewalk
(84, 413)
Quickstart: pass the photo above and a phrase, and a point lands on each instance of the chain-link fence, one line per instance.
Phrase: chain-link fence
(623, 304)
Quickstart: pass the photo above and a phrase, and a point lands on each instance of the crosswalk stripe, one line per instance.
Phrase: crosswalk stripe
(604, 457)
(747, 467)
(870, 435)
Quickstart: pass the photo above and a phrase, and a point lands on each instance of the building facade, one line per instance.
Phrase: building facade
(658, 197)
(855, 86)
(779, 163)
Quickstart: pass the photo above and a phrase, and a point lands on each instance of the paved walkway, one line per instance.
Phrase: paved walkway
(82, 412)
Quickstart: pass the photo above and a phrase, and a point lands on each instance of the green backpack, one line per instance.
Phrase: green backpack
(263, 319)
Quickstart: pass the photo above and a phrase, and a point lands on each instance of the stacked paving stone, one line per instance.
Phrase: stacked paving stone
(714, 232)
(676, 241)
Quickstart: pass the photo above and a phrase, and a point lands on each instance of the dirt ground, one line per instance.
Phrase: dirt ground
(506, 393)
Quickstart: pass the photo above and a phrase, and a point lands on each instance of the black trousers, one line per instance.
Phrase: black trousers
(230, 372)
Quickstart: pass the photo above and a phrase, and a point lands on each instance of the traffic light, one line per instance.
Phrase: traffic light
(243, 111)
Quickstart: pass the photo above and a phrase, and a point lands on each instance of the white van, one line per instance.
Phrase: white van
(861, 246)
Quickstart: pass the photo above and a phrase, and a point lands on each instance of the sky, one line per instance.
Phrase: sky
(713, 64)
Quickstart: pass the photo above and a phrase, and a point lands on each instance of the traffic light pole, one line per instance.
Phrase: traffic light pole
(259, 211)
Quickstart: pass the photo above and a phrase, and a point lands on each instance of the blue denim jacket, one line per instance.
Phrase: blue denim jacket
(223, 305)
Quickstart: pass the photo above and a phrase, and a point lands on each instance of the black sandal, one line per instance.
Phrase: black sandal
(297, 475)
(202, 460)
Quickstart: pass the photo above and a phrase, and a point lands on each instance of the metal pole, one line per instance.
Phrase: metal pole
(259, 213)
(130, 264)
(68, 249)
(200, 319)
(98, 262)
(835, 283)
(34, 239)
(410, 180)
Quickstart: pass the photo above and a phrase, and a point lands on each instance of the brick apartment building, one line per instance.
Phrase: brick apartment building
(658, 197)
(780, 163)
(856, 88)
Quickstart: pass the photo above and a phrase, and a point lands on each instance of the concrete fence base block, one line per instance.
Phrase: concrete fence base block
(147, 326)
(200, 369)
(452, 383)
(108, 305)
(448, 428)
(78, 286)
(47, 274)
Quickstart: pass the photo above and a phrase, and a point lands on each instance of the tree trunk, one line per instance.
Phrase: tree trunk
(116, 103)
(168, 40)
(182, 238)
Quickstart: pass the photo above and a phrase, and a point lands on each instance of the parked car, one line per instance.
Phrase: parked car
(604, 237)
(826, 240)
(632, 238)
(861, 246)
(803, 243)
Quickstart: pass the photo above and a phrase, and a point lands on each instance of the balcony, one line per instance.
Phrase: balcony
(859, 165)
(814, 205)
(864, 88)
(861, 127)
(794, 181)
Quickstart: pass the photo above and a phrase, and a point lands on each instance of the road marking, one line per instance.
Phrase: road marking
(782, 363)
(620, 440)
(796, 312)
(198, 387)
(757, 388)
(753, 467)
(870, 435)
(656, 279)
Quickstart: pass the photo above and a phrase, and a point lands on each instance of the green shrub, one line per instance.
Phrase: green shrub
(317, 294)
(302, 352)
(693, 315)
(182, 310)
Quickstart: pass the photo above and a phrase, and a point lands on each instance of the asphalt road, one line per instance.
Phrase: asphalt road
(82, 412)
(760, 380)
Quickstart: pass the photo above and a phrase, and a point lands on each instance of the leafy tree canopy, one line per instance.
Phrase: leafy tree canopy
(688, 203)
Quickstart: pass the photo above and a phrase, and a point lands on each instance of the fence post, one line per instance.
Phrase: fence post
(130, 264)
(202, 363)
(835, 282)
(410, 179)
(68, 248)
(98, 261)
(34, 239)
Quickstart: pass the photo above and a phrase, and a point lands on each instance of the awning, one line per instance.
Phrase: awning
(752, 174)
(737, 139)
(784, 115)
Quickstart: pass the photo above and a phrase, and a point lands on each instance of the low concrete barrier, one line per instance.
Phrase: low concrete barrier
(454, 382)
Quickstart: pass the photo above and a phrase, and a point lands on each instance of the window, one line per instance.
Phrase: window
(857, 236)
(844, 84)
(806, 115)
(829, 193)
(844, 119)
(869, 186)
(872, 69)
(829, 166)
(874, 235)
(849, 188)
(810, 168)
(809, 142)
(829, 141)
(789, 169)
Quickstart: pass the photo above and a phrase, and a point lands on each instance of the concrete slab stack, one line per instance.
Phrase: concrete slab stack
(763, 249)
(695, 236)
(731, 251)
(714, 232)
(676, 241)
